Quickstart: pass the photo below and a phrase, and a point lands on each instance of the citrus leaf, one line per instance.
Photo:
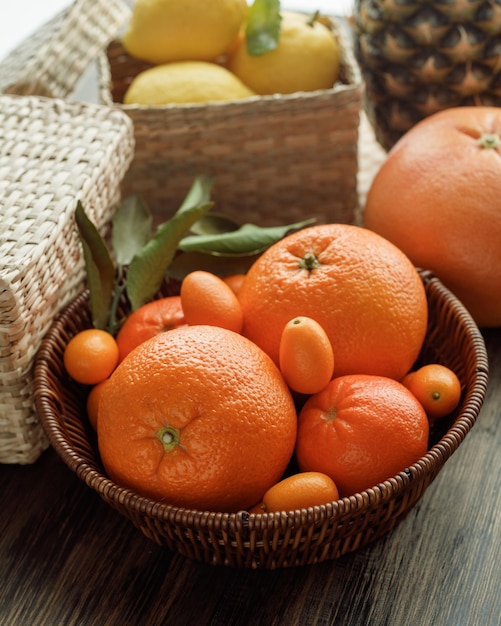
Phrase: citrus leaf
(99, 269)
(248, 239)
(263, 26)
(148, 268)
(213, 223)
(132, 225)
(187, 262)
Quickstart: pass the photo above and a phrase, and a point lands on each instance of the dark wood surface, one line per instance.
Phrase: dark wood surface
(67, 558)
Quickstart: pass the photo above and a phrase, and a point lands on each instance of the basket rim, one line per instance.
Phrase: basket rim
(345, 507)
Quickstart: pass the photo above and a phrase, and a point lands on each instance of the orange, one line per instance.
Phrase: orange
(207, 299)
(305, 356)
(90, 356)
(362, 290)
(437, 197)
(437, 388)
(147, 321)
(197, 417)
(93, 402)
(234, 281)
(299, 491)
(361, 430)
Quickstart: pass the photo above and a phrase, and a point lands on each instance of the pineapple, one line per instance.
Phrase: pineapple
(418, 57)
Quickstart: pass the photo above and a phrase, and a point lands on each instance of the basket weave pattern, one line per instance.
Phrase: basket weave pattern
(281, 539)
(53, 59)
(275, 158)
(51, 155)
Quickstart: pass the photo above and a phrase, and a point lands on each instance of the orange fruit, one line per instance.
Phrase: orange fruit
(93, 402)
(299, 491)
(197, 417)
(207, 299)
(362, 290)
(147, 321)
(305, 355)
(436, 196)
(90, 356)
(361, 430)
(234, 281)
(437, 388)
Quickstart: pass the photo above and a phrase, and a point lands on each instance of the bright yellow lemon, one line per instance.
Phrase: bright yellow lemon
(161, 31)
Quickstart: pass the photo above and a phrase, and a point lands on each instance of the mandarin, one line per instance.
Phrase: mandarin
(437, 197)
(197, 417)
(362, 290)
(92, 403)
(147, 321)
(361, 430)
(90, 356)
(437, 387)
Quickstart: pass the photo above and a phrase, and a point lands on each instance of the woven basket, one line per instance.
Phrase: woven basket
(276, 540)
(51, 155)
(52, 60)
(275, 158)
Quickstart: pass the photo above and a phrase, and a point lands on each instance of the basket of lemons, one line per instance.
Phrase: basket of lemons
(266, 100)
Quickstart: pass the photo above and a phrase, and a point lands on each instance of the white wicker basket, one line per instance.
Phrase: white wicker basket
(53, 59)
(52, 153)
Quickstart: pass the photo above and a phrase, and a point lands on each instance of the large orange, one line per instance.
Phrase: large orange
(197, 417)
(359, 287)
(438, 197)
(361, 430)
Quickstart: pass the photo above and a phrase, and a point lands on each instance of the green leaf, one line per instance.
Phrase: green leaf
(214, 223)
(187, 262)
(148, 268)
(99, 268)
(132, 224)
(263, 26)
(248, 239)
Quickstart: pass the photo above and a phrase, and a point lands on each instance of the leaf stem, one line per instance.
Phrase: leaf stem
(113, 324)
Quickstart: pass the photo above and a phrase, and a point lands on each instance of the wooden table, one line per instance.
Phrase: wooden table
(66, 558)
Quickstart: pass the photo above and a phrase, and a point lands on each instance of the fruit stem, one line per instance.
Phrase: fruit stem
(313, 18)
(490, 141)
(309, 262)
(169, 437)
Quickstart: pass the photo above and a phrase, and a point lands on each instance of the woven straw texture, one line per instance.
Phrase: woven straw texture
(281, 539)
(53, 59)
(275, 158)
(51, 155)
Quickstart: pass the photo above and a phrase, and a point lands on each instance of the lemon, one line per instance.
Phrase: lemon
(162, 31)
(306, 58)
(185, 82)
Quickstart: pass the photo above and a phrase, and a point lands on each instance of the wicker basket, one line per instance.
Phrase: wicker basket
(268, 540)
(51, 155)
(52, 60)
(275, 158)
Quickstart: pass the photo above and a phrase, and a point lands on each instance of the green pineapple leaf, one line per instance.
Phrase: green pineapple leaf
(99, 268)
(263, 26)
